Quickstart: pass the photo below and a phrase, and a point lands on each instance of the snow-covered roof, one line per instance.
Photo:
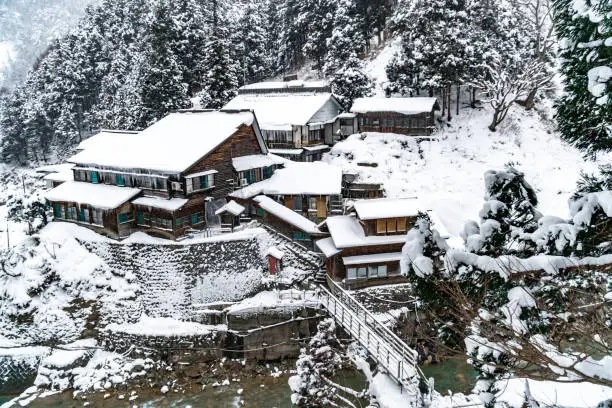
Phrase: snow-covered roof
(61, 176)
(172, 144)
(326, 245)
(281, 109)
(286, 214)
(104, 137)
(171, 204)
(388, 208)
(293, 152)
(231, 207)
(372, 258)
(316, 148)
(55, 168)
(282, 85)
(275, 252)
(347, 115)
(163, 326)
(405, 106)
(297, 178)
(256, 161)
(346, 232)
(100, 196)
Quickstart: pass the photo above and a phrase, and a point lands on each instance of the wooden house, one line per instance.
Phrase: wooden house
(298, 119)
(312, 190)
(365, 248)
(355, 188)
(173, 175)
(409, 116)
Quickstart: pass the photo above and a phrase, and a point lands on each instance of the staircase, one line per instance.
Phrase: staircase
(296, 255)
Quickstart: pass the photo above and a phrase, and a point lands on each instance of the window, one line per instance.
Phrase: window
(120, 180)
(72, 213)
(94, 177)
(260, 212)
(351, 273)
(387, 122)
(362, 272)
(82, 215)
(391, 225)
(179, 222)
(312, 203)
(375, 122)
(401, 224)
(268, 171)
(57, 210)
(301, 236)
(372, 271)
(126, 217)
(381, 226)
(200, 183)
(97, 217)
(159, 184)
(86, 216)
(382, 271)
(297, 203)
(144, 218)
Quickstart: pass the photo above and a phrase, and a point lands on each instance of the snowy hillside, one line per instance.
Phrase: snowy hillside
(447, 172)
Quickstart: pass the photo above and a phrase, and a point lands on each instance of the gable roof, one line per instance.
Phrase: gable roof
(100, 196)
(297, 178)
(347, 232)
(388, 208)
(103, 137)
(280, 111)
(287, 215)
(405, 106)
(172, 144)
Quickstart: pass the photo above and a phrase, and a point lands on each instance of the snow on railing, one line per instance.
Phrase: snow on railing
(382, 344)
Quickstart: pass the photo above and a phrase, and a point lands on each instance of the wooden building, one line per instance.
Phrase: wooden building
(178, 172)
(365, 249)
(299, 120)
(409, 116)
(313, 190)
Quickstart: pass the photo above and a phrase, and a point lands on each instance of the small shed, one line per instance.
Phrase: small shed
(275, 258)
(230, 215)
(409, 116)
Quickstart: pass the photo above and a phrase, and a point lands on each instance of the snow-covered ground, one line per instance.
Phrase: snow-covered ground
(446, 173)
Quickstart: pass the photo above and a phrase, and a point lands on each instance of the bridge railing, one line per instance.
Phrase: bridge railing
(382, 344)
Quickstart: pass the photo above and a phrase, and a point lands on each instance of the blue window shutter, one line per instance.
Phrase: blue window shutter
(94, 177)
(120, 181)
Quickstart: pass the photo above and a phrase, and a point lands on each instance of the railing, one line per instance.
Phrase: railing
(384, 346)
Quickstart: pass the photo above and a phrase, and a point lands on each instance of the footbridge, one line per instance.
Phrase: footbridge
(391, 353)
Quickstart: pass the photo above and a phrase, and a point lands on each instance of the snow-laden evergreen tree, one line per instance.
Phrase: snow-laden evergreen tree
(436, 46)
(346, 72)
(161, 80)
(318, 17)
(252, 45)
(584, 113)
(220, 81)
(291, 35)
(318, 363)
(509, 211)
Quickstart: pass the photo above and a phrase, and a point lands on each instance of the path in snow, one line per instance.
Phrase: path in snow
(376, 67)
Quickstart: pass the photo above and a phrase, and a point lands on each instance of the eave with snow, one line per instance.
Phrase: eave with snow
(414, 116)
(364, 248)
(312, 190)
(299, 119)
(182, 166)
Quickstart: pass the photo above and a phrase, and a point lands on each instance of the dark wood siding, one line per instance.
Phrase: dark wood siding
(422, 124)
(242, 143)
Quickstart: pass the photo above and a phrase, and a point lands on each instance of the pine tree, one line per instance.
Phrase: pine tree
(318, 17)
(162, 89)
(252, 47)
(584, 113)
(220, 77)
(291, 36)
(347, 73)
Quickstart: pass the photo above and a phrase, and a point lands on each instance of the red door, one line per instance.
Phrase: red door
(273, 265)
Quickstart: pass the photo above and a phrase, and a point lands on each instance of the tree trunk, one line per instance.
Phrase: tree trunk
(529, 102)
(449, 116)
(458, 96)
(494, 123)
(473, 101)
(443, 101)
